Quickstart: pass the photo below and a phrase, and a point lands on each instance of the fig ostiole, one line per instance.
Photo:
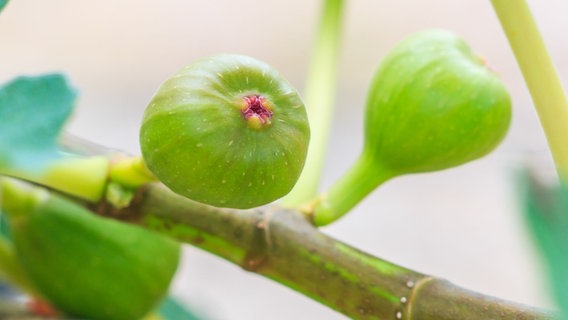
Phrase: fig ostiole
(432, 105)
(227, 131)
(86, 266)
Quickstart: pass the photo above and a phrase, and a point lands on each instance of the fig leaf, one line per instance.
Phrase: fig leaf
(32, 113)
(546, 211)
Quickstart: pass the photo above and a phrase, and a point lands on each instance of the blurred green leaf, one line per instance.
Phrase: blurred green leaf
(546, 208)
(170, 309)
(2, 4)
(32, 113)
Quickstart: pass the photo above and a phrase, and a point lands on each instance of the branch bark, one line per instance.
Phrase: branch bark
(282, 245)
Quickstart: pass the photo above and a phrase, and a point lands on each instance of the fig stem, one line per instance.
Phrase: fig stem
(87, 177)
(130, 172)
(319, 100)
(361, 179)
(83, 177)
(540, 76)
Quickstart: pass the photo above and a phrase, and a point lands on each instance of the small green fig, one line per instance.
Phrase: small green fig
(227, 131)
(432, 105)
(87, 266)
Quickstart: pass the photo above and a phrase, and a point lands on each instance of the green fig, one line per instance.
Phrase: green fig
(227, 131)
(87, 266)
(432, 105)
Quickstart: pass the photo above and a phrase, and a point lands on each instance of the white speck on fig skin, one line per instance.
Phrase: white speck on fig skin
(254, 131)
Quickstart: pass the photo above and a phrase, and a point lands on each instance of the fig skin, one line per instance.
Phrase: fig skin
(433, 105)
(87, 266)
(197, 138)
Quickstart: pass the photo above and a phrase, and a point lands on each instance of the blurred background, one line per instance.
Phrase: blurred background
(462, 224)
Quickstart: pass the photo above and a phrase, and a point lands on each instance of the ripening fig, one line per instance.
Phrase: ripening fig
(432, 105)
(88, 267)
(227, 131)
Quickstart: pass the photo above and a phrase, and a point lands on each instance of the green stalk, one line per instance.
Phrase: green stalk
(130, 172)
(82, 177)
(540, 76)
(319, 99)
(361, 179)
(88, 177)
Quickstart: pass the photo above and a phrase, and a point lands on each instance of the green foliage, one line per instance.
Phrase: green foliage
(3, 4)
(170, 309)
(546, 210)
(32, 113)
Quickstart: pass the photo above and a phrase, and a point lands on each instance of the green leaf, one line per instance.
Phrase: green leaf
(32, 113)
(546, 211)
(2, 4)
(170, 309)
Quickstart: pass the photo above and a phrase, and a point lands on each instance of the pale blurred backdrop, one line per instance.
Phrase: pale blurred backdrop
(462, 224)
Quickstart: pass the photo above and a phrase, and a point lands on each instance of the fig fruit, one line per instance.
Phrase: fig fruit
(432, 105)
(85, 265)
(227, 131)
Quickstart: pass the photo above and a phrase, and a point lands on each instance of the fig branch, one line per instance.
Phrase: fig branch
(87, 178)
(281, 245)
(540, 76)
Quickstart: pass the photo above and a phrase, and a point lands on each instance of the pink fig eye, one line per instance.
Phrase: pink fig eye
(257, 107)
(238, 147)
